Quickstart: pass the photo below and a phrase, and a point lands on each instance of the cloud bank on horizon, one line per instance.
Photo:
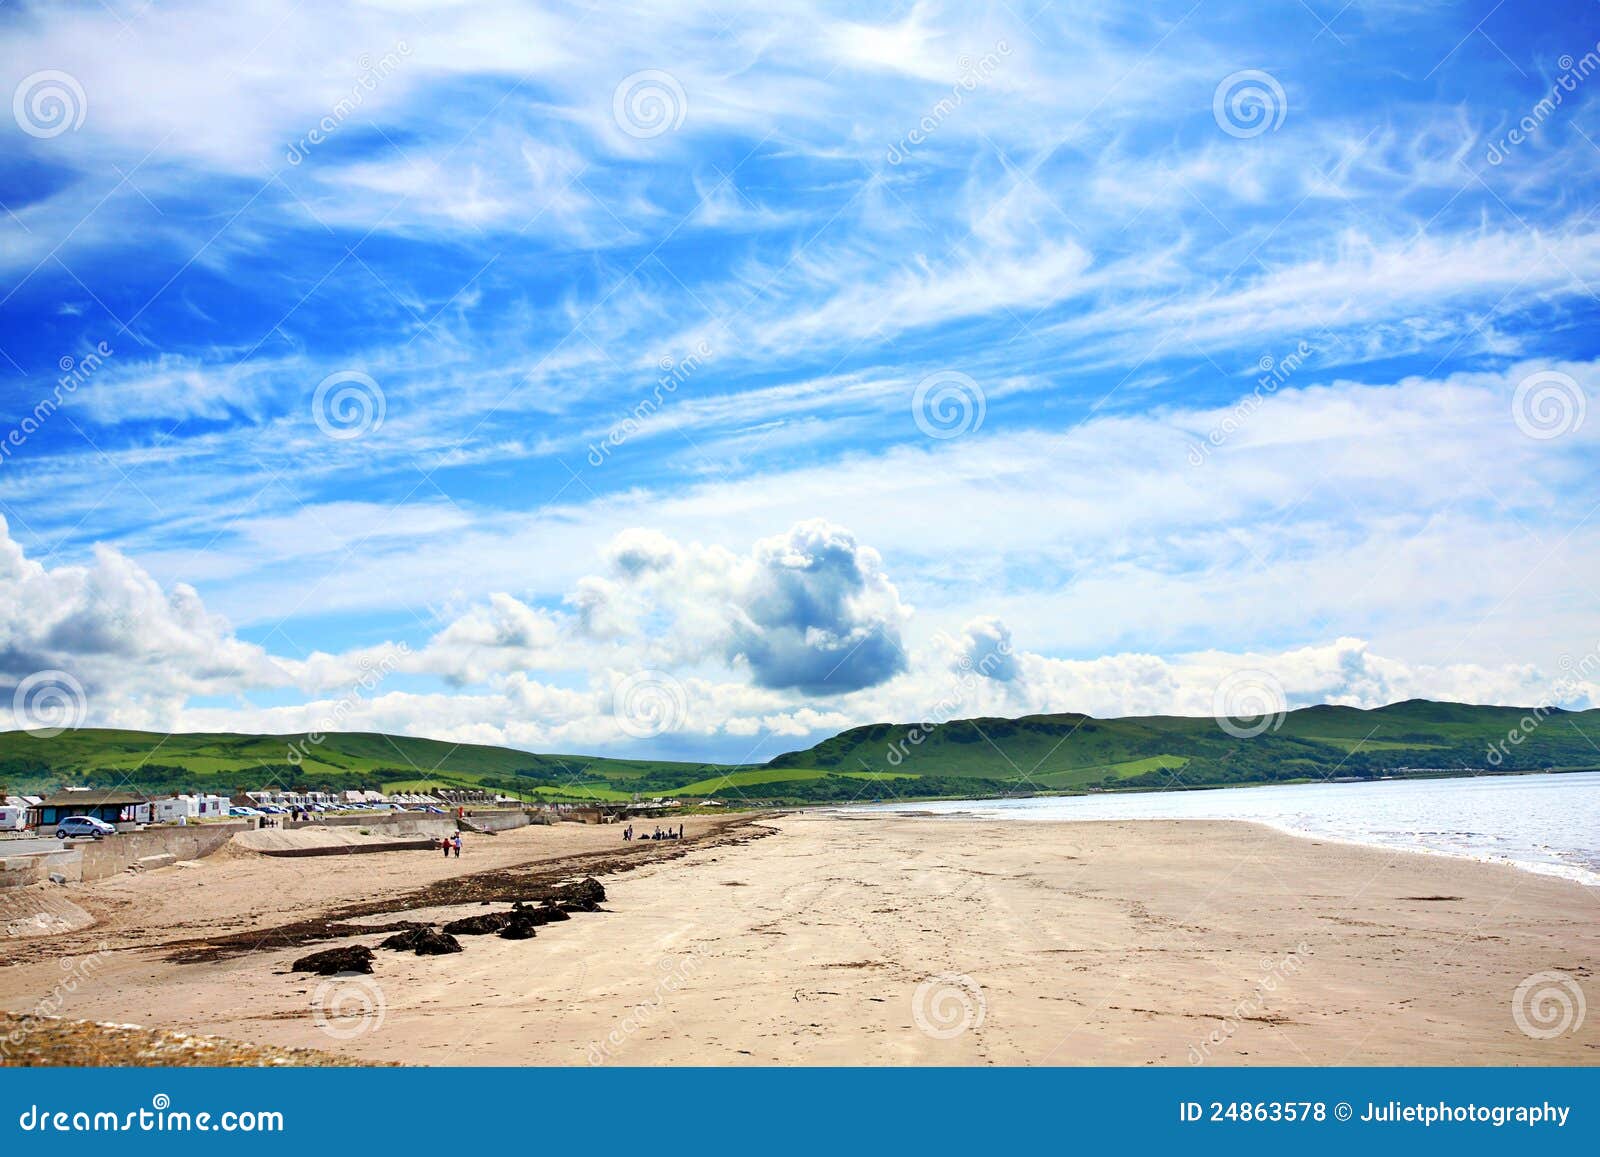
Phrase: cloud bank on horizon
(685, 380)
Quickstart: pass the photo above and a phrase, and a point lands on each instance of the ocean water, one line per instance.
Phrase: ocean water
(1543, 823)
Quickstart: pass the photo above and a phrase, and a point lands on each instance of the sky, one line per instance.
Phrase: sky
(697, 380)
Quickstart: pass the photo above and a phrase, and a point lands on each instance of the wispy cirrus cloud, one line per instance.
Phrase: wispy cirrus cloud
(470, 208)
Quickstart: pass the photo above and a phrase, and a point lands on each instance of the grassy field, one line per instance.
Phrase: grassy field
(1079, 777)
(1350, 744)
(969, 757)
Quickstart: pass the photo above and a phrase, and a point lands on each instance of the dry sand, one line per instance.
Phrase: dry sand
(881, 940)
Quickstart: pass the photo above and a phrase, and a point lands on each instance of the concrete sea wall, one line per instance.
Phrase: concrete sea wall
(24, 862)
(19, 870)
(151, 847)
(391, 824)
(495, 821)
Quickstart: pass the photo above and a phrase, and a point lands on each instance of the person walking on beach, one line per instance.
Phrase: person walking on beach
(458, 845)
(444, 845)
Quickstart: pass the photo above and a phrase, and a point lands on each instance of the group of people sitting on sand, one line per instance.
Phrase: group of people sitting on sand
(668, 834)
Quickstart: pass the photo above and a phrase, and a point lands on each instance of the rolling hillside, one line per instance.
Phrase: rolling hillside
(1077, 752)
(962, 758)
(340, 760)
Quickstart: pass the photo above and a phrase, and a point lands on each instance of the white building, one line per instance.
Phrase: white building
(195, 806)
(279, 798)
(170, 810)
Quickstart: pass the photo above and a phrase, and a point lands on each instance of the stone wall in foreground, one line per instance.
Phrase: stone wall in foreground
(18, 870)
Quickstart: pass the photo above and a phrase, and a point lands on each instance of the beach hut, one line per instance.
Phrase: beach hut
(114, 805)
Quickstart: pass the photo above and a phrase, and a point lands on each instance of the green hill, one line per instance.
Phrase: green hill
(961, 758)
(153, 761)
(1077, 752)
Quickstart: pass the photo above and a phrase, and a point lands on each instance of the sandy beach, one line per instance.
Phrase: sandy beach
(829, 939)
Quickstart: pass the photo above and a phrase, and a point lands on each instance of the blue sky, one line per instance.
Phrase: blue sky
(681, 379)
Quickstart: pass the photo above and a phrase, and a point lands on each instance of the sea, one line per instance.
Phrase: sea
(1545, 823)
